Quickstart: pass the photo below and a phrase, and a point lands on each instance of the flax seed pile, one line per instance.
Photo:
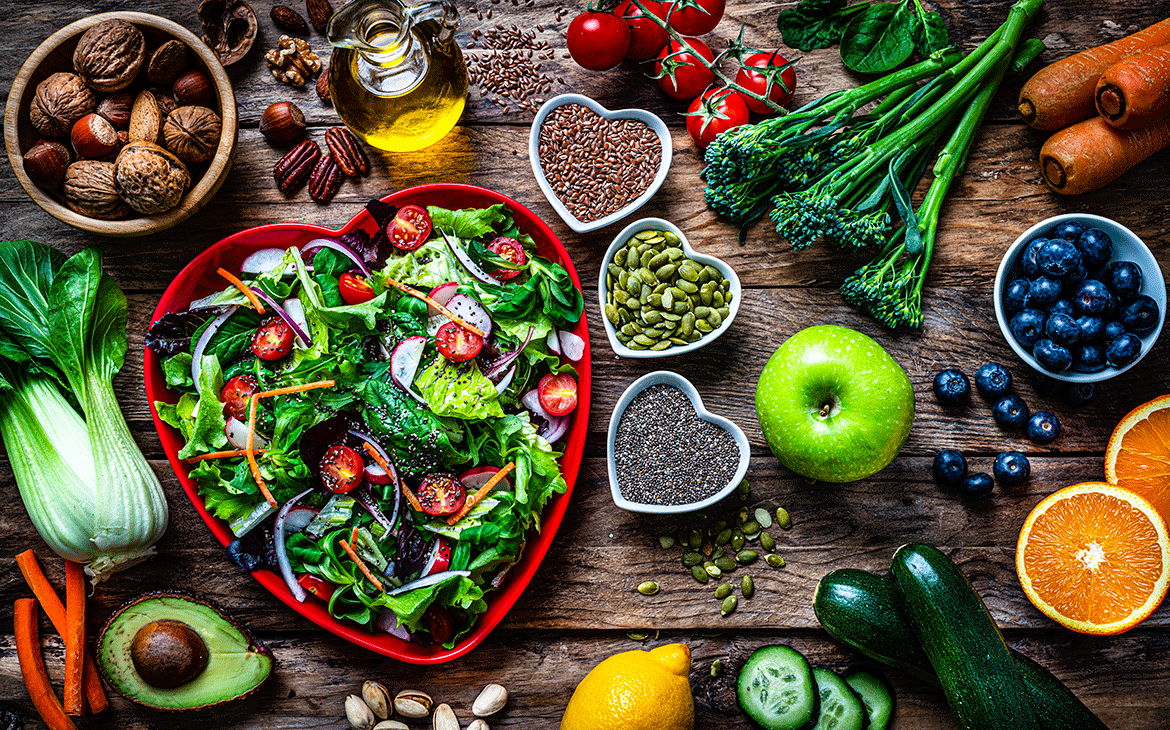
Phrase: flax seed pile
(507, 62)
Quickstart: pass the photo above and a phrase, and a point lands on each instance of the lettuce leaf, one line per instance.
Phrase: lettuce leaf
(458, 390)
(205, 425)
(470, 222)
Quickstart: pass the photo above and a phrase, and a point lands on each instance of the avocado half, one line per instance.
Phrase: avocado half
(175, 651)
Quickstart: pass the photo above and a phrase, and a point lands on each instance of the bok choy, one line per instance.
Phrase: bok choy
(86, 485)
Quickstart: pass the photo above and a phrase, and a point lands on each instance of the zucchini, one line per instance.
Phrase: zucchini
(860, 609)
(877, 694)
(776, 689)
(841, 708)
(965, 647)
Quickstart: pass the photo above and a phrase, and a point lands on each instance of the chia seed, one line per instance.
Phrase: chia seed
(665, 454)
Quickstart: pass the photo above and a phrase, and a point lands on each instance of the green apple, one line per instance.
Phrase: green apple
(833, 405)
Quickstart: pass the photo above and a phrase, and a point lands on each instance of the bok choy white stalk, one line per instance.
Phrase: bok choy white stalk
(86, 485)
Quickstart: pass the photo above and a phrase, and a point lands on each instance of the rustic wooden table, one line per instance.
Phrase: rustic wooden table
(582, 602)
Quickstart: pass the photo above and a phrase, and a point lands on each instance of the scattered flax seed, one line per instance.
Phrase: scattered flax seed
(503, 67)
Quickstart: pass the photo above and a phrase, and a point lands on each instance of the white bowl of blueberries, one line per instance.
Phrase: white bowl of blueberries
(1080, 298)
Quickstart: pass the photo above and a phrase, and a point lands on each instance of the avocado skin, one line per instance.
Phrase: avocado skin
(236, 657)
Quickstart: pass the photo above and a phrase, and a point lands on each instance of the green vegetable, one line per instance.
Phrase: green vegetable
(776, 689)
(88, 489)
(877, 694)
(880, 39)
(817, 23)
(874, 38)
(458, 390)
(841, 708)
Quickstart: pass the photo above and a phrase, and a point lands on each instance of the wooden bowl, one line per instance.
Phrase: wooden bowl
(55, 55)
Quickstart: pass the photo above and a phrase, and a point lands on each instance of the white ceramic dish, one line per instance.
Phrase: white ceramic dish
(659, 224)
(651, 120)
(1126, 247)
(667, 377)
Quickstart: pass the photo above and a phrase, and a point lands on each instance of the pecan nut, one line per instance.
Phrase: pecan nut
(325, 180)
(347, 151)
(293, 169)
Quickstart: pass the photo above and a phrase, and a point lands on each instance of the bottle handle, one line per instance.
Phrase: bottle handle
(443, 12)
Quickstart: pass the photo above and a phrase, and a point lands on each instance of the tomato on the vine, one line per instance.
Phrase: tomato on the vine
(680, 70)
(273, 339)
(410, 228)
(715, 111)
(769, 82)
(646, 36)
(511, 250)
(354, 288)
(235, 395)
(598, 41)
(342, 468)
(696, 17)
(457, 344)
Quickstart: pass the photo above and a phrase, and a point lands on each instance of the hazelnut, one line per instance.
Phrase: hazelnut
(116, 108)
(89, 190)
(282, 123)
(194, 89)
(192, 133)
(45, 163)
(57, 104)
(167, 63)
(150, 179)
(109, 55)
(94, 137)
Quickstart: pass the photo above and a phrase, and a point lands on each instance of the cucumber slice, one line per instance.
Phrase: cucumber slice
(776, 689)
(841, 709)
(877, 694)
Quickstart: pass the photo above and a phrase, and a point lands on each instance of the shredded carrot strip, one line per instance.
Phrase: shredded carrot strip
(446, 312)
(32, 666)
(410, 498)
(251, 454)
(361, 566)
(290, 389)
(74, 637)
(483, 492)
(235, 280)
(221, 455)
(353, 535)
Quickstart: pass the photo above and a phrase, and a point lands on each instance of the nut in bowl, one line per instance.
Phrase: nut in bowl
(659, 296)
(1079, 297)
(99, 84)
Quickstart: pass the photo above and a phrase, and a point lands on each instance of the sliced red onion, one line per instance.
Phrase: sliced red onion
(262, 261)
(478, 476)
(506, 380)
(531, 401)
(369, 504)
(281, 553)
(428, 581)
(208, 301)
(312, 246)
(300, 334)
(496, 368)
(204, 339)
(296, 310)
(388, 622)
(393, 473)
(554, 429)
(553, 342)
(572, 346)
(298, 518)
(463, 257)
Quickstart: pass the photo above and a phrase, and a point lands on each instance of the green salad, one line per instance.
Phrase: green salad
(383, 432)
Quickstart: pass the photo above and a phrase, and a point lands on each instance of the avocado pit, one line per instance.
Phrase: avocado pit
(168, 653)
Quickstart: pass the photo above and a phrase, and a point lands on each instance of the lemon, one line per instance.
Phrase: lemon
(635, 690)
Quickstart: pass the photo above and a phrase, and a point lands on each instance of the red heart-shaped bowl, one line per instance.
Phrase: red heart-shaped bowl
(198, 279)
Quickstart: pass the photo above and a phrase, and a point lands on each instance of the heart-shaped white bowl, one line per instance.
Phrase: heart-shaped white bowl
(666, 377)
(649, 119)
(658, 224)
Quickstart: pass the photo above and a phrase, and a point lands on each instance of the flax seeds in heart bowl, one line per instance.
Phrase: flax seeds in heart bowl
(665, 454)
(597, 166)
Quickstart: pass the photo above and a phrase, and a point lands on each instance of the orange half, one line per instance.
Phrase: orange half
(1094, 558)
(1138, 455)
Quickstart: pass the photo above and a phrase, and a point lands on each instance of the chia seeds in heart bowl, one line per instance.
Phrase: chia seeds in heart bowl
(669, 454)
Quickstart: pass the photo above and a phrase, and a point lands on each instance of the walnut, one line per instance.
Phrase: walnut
(150, 179)
(110, 55)
(59, 102)
(89, 190)
(192, 133)
(229, 27)
(292, 61)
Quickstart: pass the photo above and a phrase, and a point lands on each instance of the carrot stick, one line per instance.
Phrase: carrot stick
(1091, 154)
(221, 455)
(32, 666)
(248, 293)
(1135, 92)
(290, 389)
(251, 454)
(1062, 93)
(410, 498)
(55, 610)
(483, 492)
(74, 637)
(361, 566)
(446, 312)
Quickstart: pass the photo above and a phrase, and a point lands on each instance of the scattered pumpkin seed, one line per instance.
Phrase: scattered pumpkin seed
(666, 541)
(738, 541)
(695, 539)
(763, 517)
(713, 570)
(750, 527)
(716, 527)
(729, 604)
(649, 588)
(746, 557)
(723, 537)
(767, 541)
(774, 560)
(725, 563)
(743, 490)
(723, 591)
(700, 574)
(637, 635)
(691, 559)
(717, 668)
(747, 586)
(741, 517)
(708, 547)
(783, 519)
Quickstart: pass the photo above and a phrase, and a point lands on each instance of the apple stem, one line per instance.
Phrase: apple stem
(826, 409)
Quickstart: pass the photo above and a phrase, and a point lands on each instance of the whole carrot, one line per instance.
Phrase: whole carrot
(1062, 93)
(1091, 154)
(1135, 91)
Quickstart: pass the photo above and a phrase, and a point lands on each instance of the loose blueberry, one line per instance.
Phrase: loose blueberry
(1088, 358)
(1058, 257)
(1096, 247)
(1028, 258)
(1010, 412)
(1044, 290)
(1091, 328)
(977, 486)
(951, 386)
(1062, 329)
(1063, 306)
(1015, 297)
(1079, 394)
(1069, 230)
(1027, 327)
(1113, 330)
(1052, 357)
(1140, 315)
(1125, 279)
(1124, 350)
(992, 380)
(1043, 427)
(949, 467)
(1091, 297)
(1011, 468)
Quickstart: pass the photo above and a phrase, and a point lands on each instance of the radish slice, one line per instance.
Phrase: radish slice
(572, 345)
(312, 246)
(299, 333)
(404, 364)
(493, 370)
(471, 312)
(393, 474)
(472, 267)
(278, 532)
(554, 429)
(377, 475)
(442, 294)
(237, 435)
(506, 380)
(439, 558)
(473, 479)
(263, 261)
(553, 342)
(388, 622)
(298, 518)
(296, 310)
(435, 322)
(428, 581)
(201, 345)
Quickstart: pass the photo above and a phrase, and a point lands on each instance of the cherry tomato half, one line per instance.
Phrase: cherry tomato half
(696, 17)
(441, 494)
(769, 76)
(510, 249)
(410, 228)
(646, 36)
(713, 112)
(557, 394)
(273, 339)
(235, 395)
(439, 622)
(342, 468)
(598, 41)
(457, 344)
(319, 588)
(683, 76)
(354, 288)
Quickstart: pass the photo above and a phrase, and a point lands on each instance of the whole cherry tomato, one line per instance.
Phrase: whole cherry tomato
(769, 82)
(696, 17)
(681, 73)
(410, 228)
(235, 395)
(510, 249)
(598, 41)
(273, 339)
(646, 36)
(342, 468)
(457, 344)
(715, 111)
(439, 622)
(354, 288)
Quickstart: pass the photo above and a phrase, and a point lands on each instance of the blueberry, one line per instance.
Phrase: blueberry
(1072, 279)
(1140, 315)
(1051, 356)
(1015, 297)
(1079, 394)
(1113, 330)
(1027, 327)
(1044, 290)
(1028, 258)
(1063, 306)
(1091, 328)
(951, 386)
(1058, 257)
(1069, 230)
(1112, 308)
(1062, 329)
(949, 467)
(977, 486)
(992, 380)
(1043, 427)
(1125, 279)
(1010, 412)
(1124, 350)
(1088, 358)
(1091, 297)
(1045, 386)
(1011, 468)
(1096, 247)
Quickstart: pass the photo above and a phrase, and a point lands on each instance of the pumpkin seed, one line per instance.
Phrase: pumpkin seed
(737, 541)
(774, 560)
(717, 668)
(611, 313)
(635, 345)
(702, 312)
(687, 324)
(763, 517)
(619, 258)
(743, 491)
(747, 586)
(750, 527)
(708, 547)
(671, 238)
(690, 559)
(645, 235)
(713, 570)
(717, 299)
(704, 326)
(723, 591)
(666, 541)
(725, 563)
(767, 541)
(649, 588)
(715, 319)
(723, 537)
(746, 557)
(716, 527)
(657, 261)
(783, 519)
(681, 536)
(661, 345)
(687, 287)
(643, 340)
(728, 606)
(695, 539)
(637, 635)
(706, 298)
(699, 574)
